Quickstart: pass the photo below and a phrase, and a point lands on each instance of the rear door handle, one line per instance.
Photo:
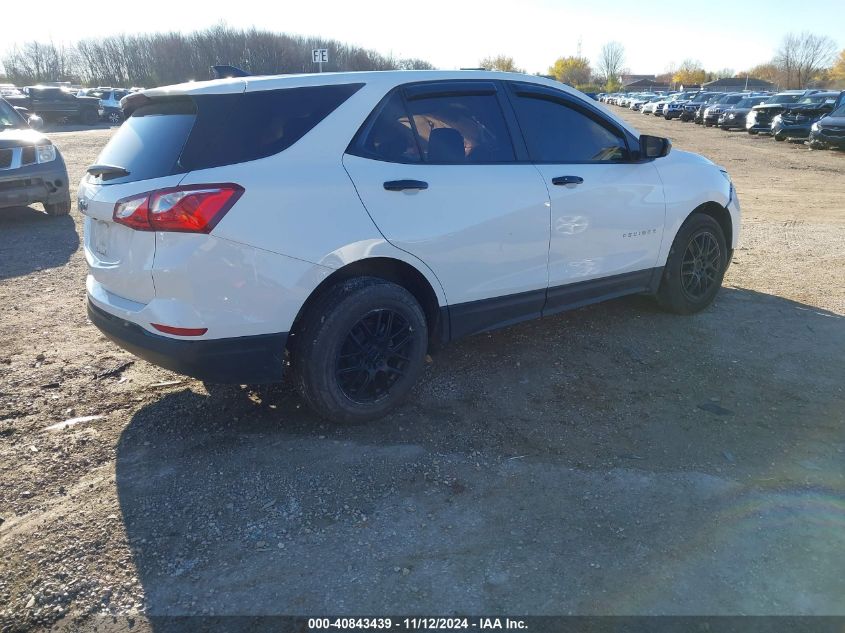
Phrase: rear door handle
(402, 185)
(567, 180)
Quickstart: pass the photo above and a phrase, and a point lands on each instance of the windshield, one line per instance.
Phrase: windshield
(817, 99)
(840, 111)
(9, 117)
(783, 99)
(747, 103)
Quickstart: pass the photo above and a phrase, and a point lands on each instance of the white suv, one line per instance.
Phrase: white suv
(343, 223)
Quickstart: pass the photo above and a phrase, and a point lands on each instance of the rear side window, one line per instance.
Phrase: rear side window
(174, 135)
(556, 133)
(242, 127)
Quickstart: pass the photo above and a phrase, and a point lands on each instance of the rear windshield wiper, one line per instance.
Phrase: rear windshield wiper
(107, 171)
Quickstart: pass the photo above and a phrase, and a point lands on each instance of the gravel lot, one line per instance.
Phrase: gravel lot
(611, 460)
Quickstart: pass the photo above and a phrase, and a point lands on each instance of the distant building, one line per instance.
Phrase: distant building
(736, 84)
(643, 83)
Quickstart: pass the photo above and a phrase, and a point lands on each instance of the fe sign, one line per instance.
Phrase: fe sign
(320, 55)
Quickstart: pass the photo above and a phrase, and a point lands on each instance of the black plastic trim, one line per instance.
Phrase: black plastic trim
(484, 315)
(491, 314)
(584, 293)
(448, 88)
(240, 360)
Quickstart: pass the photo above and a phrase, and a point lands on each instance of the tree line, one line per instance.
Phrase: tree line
(803, 60)
(156, 59)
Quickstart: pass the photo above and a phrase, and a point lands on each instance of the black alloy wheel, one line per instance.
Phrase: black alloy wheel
(701, 265)
(374, 356)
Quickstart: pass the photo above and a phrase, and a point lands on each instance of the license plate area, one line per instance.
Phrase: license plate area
(101, 240)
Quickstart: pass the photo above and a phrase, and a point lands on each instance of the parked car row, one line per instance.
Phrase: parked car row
(815, 116)
(56, 104)
(109, 97)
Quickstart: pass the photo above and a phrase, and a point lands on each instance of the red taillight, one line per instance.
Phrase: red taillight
(180, 331)
(190, 209)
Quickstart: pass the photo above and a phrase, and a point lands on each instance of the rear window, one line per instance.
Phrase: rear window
(149, 143)
(181, 134)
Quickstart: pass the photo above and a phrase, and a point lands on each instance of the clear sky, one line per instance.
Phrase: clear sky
(733, 34)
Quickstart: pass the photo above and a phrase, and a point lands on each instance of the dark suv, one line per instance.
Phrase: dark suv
(713, 111)
(31, 167)
(796, 122)
(692, 106)
(55, 104)
(759, 120)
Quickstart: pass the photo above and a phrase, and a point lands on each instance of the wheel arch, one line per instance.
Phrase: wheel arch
(721, 215)
(395, 271)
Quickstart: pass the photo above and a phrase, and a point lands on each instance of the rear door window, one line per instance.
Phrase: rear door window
(173, 135)
(446, 123)
(461, 129)
(390, 137)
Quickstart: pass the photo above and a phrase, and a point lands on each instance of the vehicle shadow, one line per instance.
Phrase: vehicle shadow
(31, 240)
(611, 460)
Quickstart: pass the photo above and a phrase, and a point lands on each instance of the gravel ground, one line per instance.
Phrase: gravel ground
(610, 460)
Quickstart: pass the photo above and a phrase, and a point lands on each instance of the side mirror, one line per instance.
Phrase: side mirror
(35, 122)
(654, 146)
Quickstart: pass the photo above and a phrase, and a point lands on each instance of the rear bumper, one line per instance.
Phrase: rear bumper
(46, 183)
(240, 360)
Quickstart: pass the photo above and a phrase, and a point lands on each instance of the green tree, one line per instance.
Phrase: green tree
(837, 72)
(689, 73)
(502, 63)
(572, 70)
(613, 84)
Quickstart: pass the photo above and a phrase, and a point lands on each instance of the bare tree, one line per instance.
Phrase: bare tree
(801, 57)
(611, 61)
(155, 59)
(815, 52)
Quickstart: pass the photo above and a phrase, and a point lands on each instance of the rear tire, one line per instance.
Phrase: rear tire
(695, 266)
(359, 350)
(58, 208)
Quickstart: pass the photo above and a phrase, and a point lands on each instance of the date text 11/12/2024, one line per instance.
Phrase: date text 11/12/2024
(418, 623)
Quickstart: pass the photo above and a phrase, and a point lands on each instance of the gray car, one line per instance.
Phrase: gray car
(31, 167)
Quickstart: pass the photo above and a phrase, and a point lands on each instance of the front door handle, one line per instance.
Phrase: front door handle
(567, 180)
(402, 185)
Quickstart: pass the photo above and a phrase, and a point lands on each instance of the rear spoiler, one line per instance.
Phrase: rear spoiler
(224, 71)
(135, 100)
(132, 102)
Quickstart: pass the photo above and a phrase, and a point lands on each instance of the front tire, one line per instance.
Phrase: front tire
(359, 350)
(58, 208)
(695, 266)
